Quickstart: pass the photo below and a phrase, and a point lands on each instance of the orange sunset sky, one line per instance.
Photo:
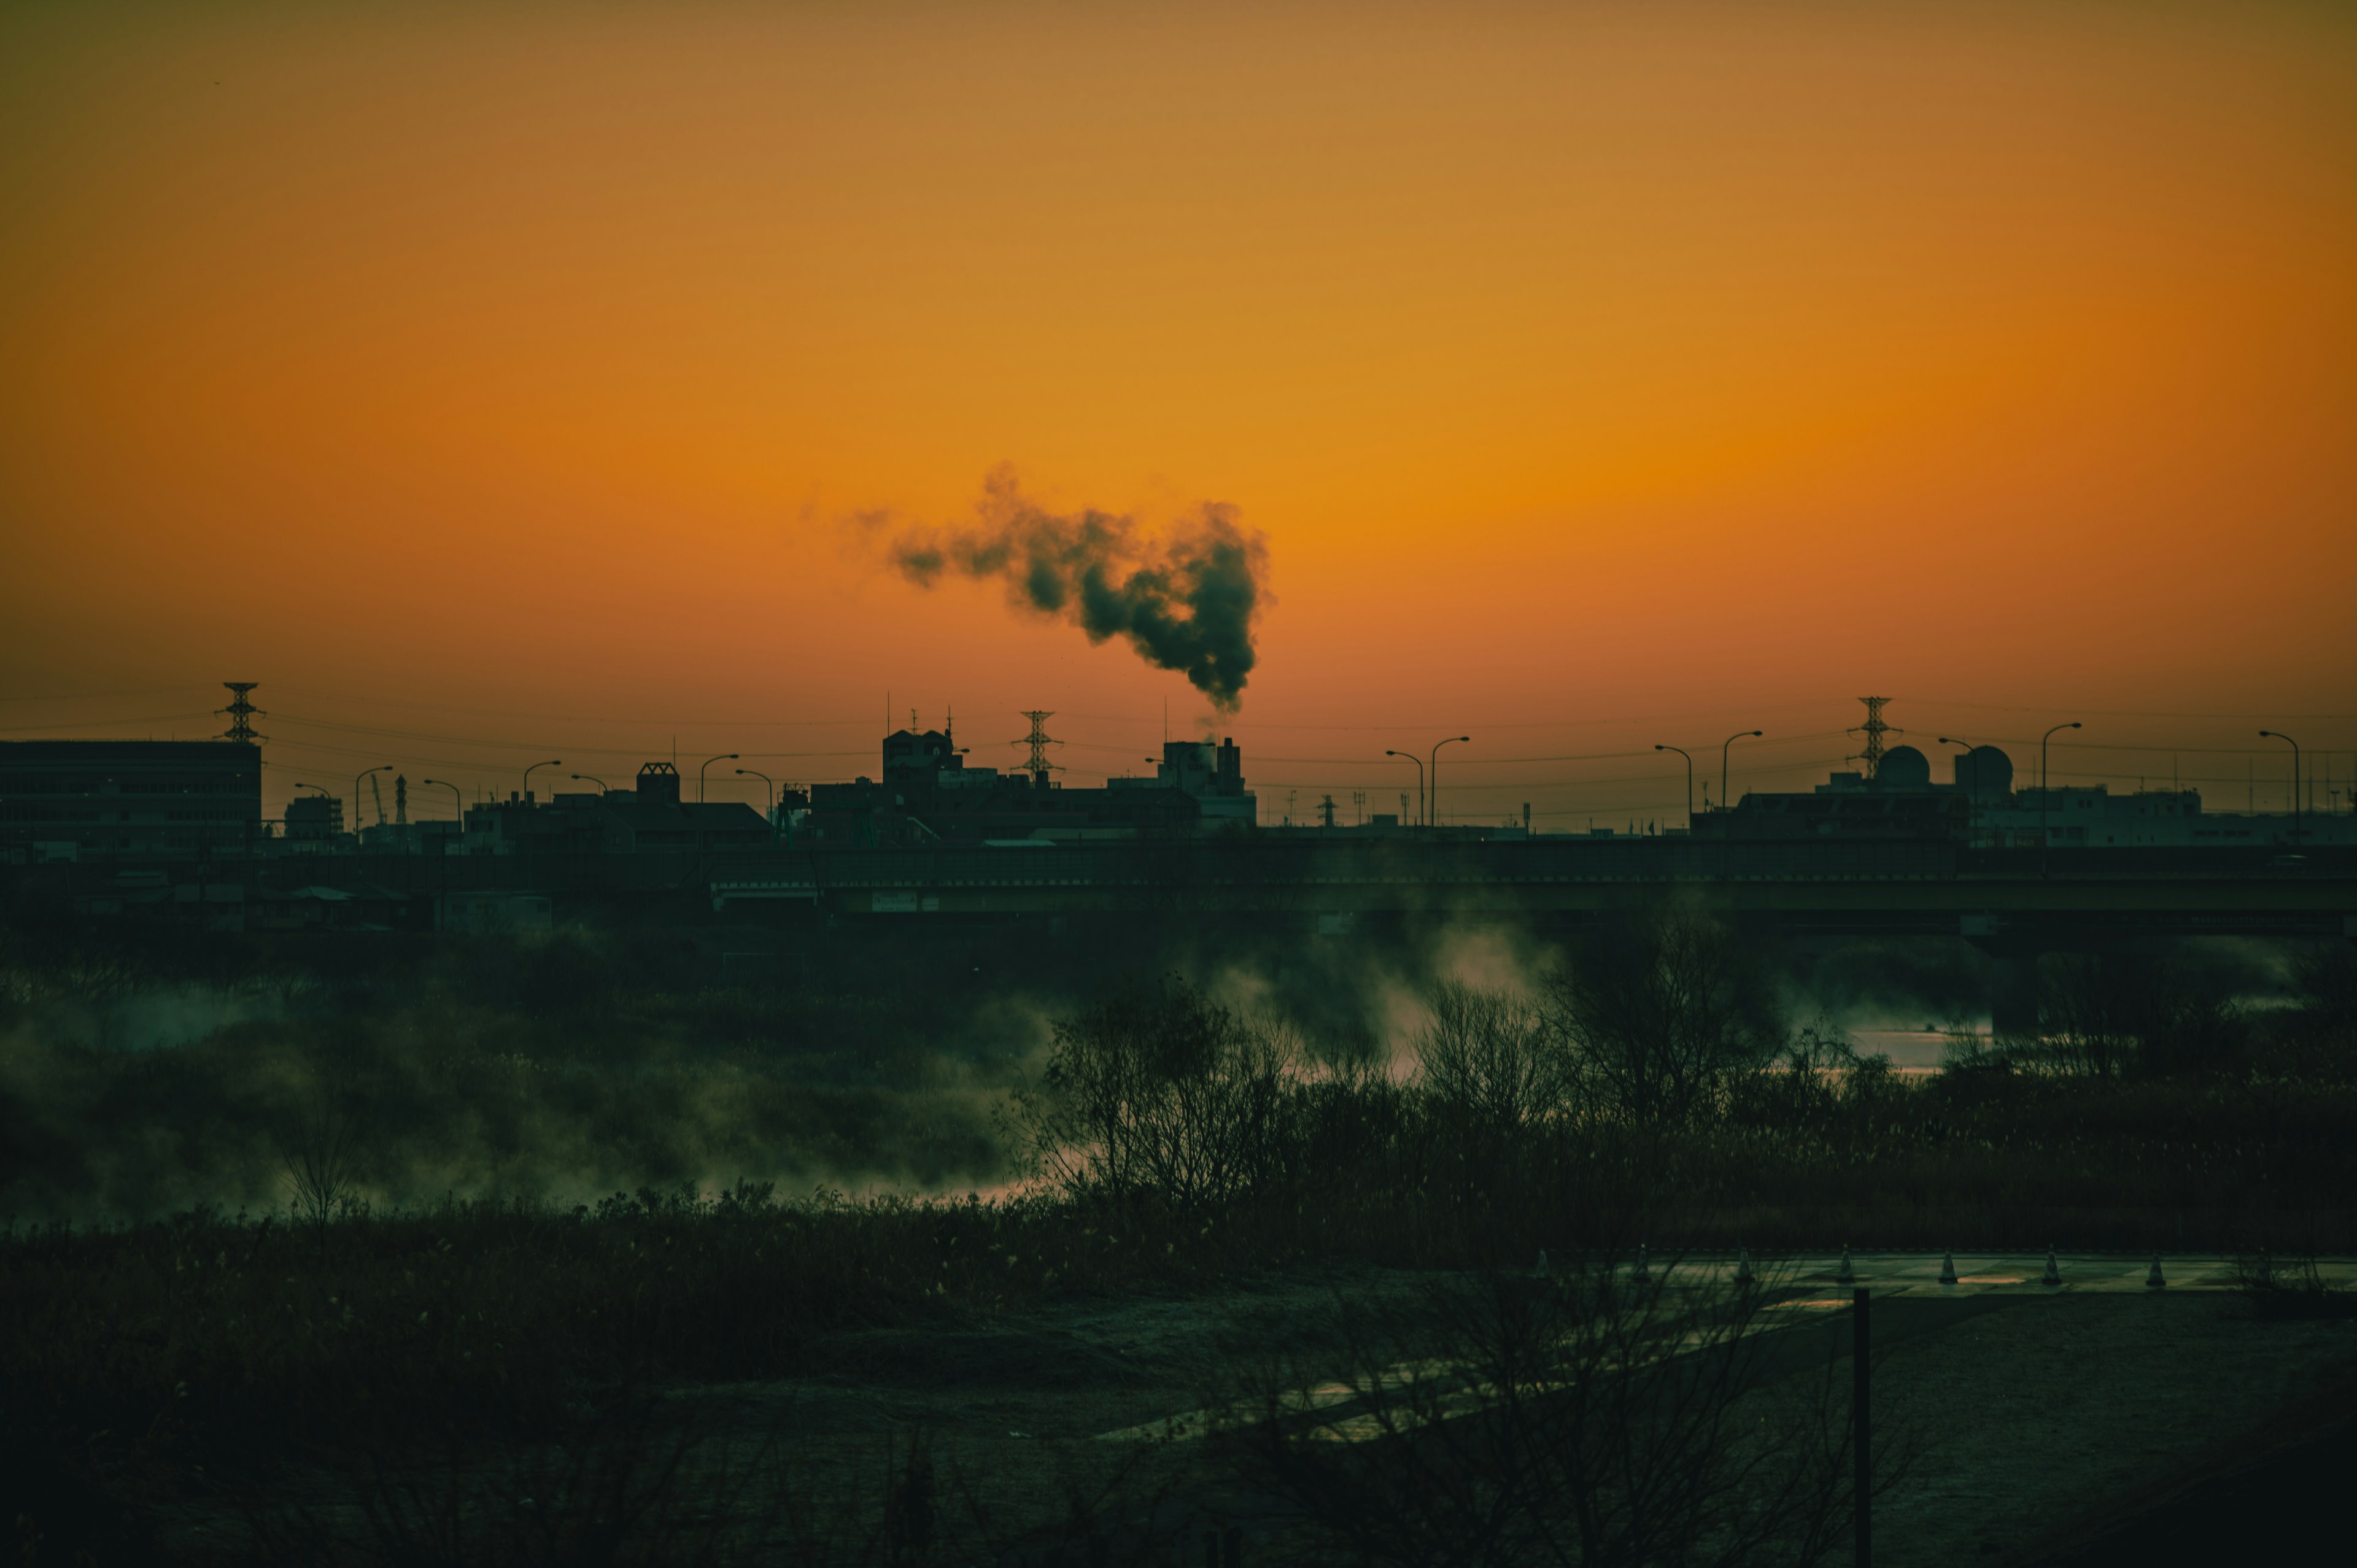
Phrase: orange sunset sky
(497, 381)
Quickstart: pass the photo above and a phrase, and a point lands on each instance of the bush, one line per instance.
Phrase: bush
(1164, 1093)
(1581, 1419)
(1661, 1012)
(1492, 1060)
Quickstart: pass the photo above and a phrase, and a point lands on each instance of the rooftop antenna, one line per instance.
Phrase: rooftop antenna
(1874, 729)
(240, 711)
(1039, 740)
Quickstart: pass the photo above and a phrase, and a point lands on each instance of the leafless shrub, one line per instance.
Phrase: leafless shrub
(2286, 1287)
(318, 1158)
(1662, 1010)
(1491, 1059)
(1576, 1420)
(2109, 1015)
(1162, 1092)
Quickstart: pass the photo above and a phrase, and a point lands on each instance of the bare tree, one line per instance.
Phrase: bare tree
(1661, 1010)
(1492, 1058)
(317, 1157)
(1163, 1092)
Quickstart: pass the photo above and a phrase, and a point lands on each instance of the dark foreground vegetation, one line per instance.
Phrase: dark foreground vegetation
(327, 1344)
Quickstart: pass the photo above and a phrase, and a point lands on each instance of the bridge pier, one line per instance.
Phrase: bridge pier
(2013, 991)
(2013, 986)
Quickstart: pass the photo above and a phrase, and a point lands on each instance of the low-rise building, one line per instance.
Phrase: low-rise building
(647, 817)
(129, 799)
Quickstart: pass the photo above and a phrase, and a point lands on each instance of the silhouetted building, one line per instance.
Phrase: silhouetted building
(614, 822)
(1984, 773)
(928, 794)
(315, 823)
(1981, 809)
(129, 799)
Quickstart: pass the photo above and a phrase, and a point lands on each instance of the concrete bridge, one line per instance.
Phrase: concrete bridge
(1994, 896)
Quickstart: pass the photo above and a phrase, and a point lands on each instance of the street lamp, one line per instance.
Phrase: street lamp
(1723, 796)
(1683, 752)
(458, 801)
(2046, 796)
(1969, 748)
(324, 794)
(552, 762)
(775, 825)
(2278, 735)
(1434, 809)
(593, 779)
(383, 767)
(724, 757)
(1411, 757)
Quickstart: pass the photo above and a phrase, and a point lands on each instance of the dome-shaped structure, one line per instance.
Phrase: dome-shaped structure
(1903, 768)
(1984, 773)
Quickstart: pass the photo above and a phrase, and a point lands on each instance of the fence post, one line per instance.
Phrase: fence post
(1861, 1425)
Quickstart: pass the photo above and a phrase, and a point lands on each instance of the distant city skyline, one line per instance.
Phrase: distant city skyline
(1565, 768)
(1598, 377)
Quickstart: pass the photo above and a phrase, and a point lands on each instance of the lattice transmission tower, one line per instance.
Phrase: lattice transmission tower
(241, 712)
(1874, 729)
(1039, 740)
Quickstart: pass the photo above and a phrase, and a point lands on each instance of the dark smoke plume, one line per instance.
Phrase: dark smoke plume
(1185, 600)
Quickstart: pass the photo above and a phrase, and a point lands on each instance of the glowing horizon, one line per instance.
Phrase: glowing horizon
(1590, 372)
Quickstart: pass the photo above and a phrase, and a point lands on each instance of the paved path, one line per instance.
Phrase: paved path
(1888, 1273)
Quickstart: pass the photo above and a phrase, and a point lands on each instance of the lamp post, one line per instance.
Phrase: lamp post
(1969, 749)
(1688, 755)
(2278, 735)
(724, 757)
(1411, 757)
(1433, 810)
(324, 793)
(1723, 796)
(591, 779)
(2046, 796)
(552, 762)
(382, 768)
(772, 813)
(458, 801)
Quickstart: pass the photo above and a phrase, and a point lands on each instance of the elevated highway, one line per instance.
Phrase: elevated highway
(1873, 887)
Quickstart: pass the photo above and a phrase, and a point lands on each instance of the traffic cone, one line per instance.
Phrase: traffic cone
(1643, 1276)
(1848, 1274)
(2053, 1269)
(1948, 1269)
(2152, 1279)
(1742, 1269)
(1541, 1271)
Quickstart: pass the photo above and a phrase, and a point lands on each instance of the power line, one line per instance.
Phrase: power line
(100, 696)
(102, 724)
(2119, 712)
